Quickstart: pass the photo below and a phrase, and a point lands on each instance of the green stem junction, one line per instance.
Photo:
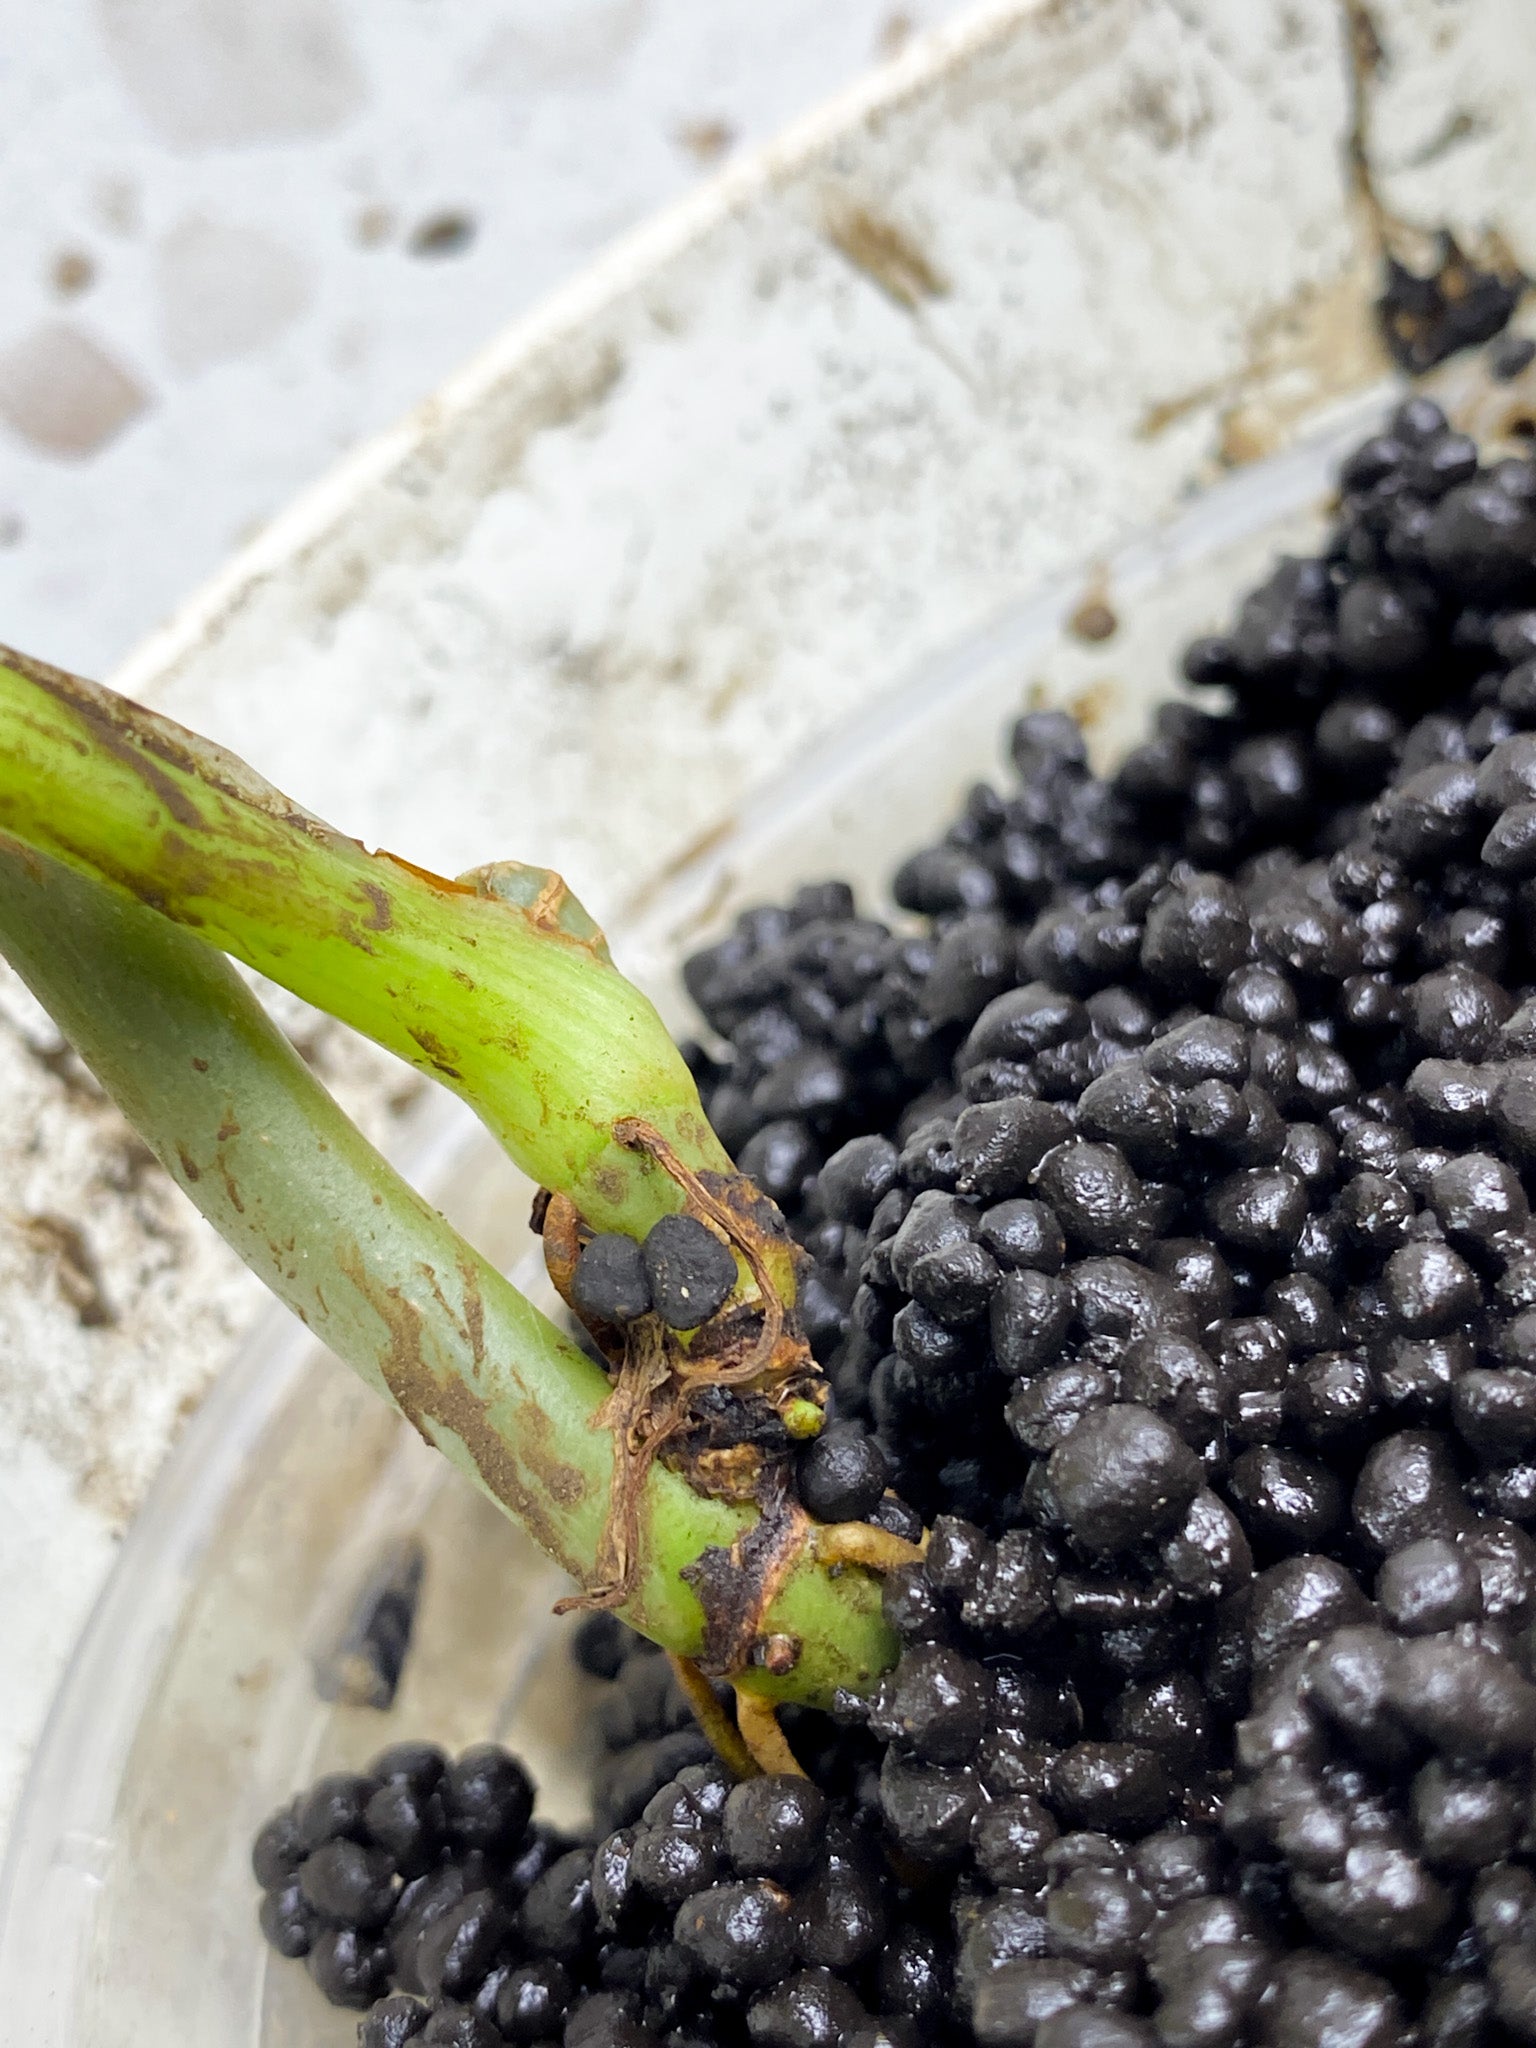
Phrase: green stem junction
(130, 850)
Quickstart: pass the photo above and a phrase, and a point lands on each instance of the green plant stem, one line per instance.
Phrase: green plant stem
(194, 1062)
(505, 992)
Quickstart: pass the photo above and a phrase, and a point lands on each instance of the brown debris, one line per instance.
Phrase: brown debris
(1455, 304)
(1094, 619)
(777, 1654)
(75, 1267)
(736, 1587)
(707, 140)
(709, 1402)
(887, 255)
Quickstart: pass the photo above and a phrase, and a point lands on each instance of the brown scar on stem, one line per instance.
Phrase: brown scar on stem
(436, 1052)
(737, 1587)
(445, 883)
(382, 916)
(724, 1736)
(566, 1483)
(429, 1273)
(347, 928)
(118, 734)
(131, 731)
(423, 1399)
(474, 1310)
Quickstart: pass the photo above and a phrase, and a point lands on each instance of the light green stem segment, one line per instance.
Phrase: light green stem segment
(194, 1062)
(501, 989)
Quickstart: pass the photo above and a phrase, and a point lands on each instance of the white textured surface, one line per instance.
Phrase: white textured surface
(1008, 303)
(218, 203)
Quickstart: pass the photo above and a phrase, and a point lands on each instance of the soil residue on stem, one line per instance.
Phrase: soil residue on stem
(709, 1401)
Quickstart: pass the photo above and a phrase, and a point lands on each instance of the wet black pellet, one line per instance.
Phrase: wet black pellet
(278, 1849)
(531, 2001)
(408, 1825)
(852, 1184)
(557, 1914)
(840, 1916)
(741, 1933)
(288, 1920)
(393, 2021)
(609, 1282)
(1022, 1233)
(348, 1885)
(1122, 1474)
(774, 1826)
(487, 1798)
(671, 1863)
(418, 1764)
(1100, 1200)
(690, 1273)
(459, 2026)
(457, 1950)
(811, 2009)
(600, 1644)
(1164, 1186)
(1030, 1314)
(334, 1807)
(351, 1969)
(998, 1145)
(842, 1474)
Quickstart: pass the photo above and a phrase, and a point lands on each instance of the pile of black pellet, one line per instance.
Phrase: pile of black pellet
(1166, 1177)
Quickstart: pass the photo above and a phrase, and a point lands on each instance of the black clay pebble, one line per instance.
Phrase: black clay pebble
(609, 1282)
(1163, 1184)
(842, 1474)
(1121, 1476)
(689, 1271)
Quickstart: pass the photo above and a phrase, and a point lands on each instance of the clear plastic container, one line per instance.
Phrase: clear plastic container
(191, 1707)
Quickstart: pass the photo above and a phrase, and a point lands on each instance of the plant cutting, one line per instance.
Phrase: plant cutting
(1163, 1183)
(134, 856)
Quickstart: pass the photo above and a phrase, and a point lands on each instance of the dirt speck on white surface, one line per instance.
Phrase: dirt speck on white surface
(63, 393)
(708, 140)
(445, 233)
(888, 254)
(71, 273)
